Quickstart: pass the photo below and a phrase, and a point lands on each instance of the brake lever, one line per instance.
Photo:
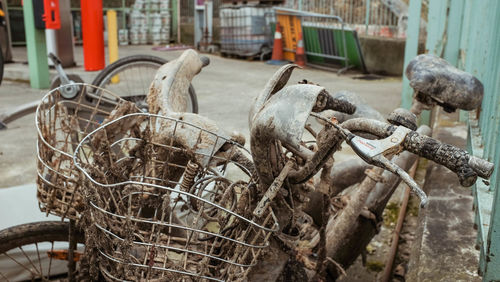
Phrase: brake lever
(375, 151)
(392, 167)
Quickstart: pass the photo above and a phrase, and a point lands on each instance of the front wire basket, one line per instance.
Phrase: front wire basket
(61, 124)
(169, 199)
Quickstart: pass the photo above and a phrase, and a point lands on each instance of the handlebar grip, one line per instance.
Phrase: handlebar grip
(457, 160)
(483, 168)
(339, 105)
(54, 59)
(205, 61)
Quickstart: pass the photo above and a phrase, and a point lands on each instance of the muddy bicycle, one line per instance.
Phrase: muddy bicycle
(165, 202)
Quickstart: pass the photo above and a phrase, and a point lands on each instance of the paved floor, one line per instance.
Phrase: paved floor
(225, 90)
(444, 242)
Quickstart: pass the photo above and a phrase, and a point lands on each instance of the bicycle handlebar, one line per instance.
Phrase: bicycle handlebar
(456, 159)
(467, 167)
(205, 61)
(328, 102)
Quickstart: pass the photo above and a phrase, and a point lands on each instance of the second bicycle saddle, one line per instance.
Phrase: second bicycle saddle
(436, 81)
(170, 87)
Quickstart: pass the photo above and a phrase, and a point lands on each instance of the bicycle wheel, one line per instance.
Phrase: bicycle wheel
(35, 251)
(135, 74)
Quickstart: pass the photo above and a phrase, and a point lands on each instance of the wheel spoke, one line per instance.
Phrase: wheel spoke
(31, 262)
(19, 254)
(144, 90)
(50, 258)
(20, 264)
(4, 277)
(39, 260)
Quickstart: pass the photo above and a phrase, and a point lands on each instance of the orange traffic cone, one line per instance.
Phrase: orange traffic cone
(277, 57)
(300, 53)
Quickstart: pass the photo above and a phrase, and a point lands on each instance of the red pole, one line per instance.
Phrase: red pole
(93, 35)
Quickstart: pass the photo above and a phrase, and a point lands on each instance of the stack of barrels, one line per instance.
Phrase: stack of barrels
(150, 22)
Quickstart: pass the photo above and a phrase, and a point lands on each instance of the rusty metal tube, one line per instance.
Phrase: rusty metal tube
(397, 231)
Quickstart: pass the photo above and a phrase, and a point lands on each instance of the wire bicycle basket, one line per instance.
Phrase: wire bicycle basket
(62, 121)
(169, 199)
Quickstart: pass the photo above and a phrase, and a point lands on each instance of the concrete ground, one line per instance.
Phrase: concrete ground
(444, 246)
(225, 90)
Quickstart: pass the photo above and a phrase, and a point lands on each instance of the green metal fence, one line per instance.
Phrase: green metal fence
(465, 33)
(481, 56)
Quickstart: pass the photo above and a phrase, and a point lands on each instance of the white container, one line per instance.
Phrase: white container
(244, 30)
(154, 7)
(234, 16)
(134, 36)
(164, 6)
(156, 20)
(143, 36)
(144, 20)
(156, 36)
(123, 36)
(138, 5)
(137, 19)
(164, 35)
(165, 20)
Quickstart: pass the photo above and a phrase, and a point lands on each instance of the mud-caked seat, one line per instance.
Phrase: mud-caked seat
(436, 81)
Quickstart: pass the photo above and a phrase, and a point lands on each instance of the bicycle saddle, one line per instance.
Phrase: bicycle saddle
(436, 81)
(169, 90)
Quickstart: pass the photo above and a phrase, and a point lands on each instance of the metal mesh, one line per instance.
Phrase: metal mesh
(62, 123)
(169, 199)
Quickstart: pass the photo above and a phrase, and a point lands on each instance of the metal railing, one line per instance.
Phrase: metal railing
(372, 17)
(480, 55)
(465, 33)
(327, 23)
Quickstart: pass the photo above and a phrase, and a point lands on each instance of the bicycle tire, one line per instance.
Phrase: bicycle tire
(137, 62)
(13, 239)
